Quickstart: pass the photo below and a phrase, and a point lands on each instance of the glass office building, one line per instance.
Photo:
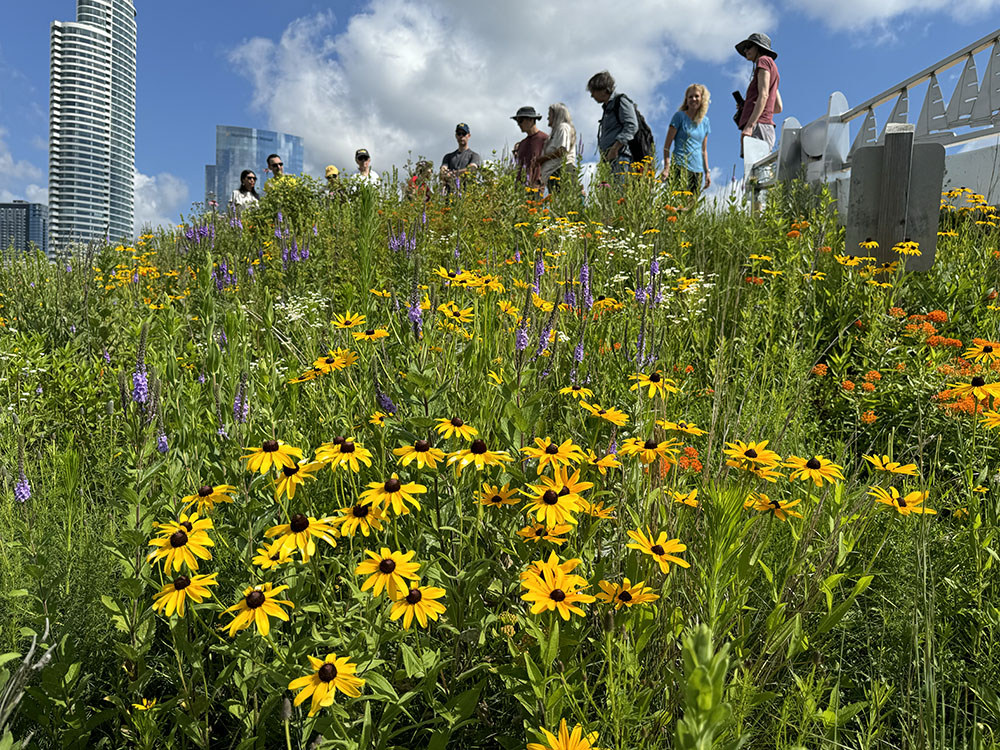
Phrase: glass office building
(23, 225)
(237, 149)
(92, 124)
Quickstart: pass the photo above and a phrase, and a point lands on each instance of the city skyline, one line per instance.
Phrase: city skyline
(92, 124)
(239, 148)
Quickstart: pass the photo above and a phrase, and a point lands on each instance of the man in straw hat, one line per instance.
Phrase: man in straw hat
(527, 150)
(762, 98)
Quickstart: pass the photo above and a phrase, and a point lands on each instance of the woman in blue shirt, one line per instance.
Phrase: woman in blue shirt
(688, 132)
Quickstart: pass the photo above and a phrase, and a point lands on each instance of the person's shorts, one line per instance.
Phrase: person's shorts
(764, 133)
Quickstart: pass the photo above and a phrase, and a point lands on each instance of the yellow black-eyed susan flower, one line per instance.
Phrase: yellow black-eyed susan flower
(779, 508)
(566, 739)
(301, 532)
(327, 364)
(576, 391)
(552, 503)
(329, 675)
(290, 477)
(598, 509)
(557, 454)
(348, 320)
(983, 351)
(478, 455)
(604, 463)
(688, 428)
(626, 594)
(420, 451)
(912, 502)
(660, 549)
(884, 463)
(259, 603)
(456, 427)
(650, 450)
(685, 498)
(454, 313)
(207, 496)
(746, 455)
(609, 414)
(276, 453)
(387, 570)
(360, 517)
(496, 496)
(656, 384)
(417, 602)
(978, 388)
(553, 590)
(991, 419)
(816, 468)
(393, 493)
(171, 598)
(370, 334)
(539, 532)
(272, 555)
(344, 453)
(182, 542)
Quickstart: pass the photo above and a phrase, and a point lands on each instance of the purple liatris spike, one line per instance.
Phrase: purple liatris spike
(107, 356)
(280, 217)
(654, 266)
(640, 295)
(588, 299)
(521, 337)
(241, 404)
(140, 384)
(539, 270)
(315, 231)
(570, 297)
(161, 442)
(385, 403)
(22, 490)
(578, 353)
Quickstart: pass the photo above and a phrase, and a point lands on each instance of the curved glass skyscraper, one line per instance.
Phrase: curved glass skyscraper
(92, 124)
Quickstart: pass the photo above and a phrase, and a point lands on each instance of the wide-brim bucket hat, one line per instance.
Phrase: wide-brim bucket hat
(528, 112)
(761, 40)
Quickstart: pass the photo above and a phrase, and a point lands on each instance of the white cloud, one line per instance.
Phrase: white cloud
(158, 200)
(873, 17)
(401, 73)
(19, 177)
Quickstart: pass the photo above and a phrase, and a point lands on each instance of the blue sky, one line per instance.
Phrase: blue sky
(395, 75)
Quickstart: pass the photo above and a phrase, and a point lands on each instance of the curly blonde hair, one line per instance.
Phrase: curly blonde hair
(698, 116)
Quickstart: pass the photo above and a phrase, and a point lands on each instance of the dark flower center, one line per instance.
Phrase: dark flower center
(750, 453)
(338, 440)
(550, 497)
(289, 471)
(602, 412)
(387, 565)
(370, 332)
(563, 492)
(654, 378)
(657, 549)
(269, 446)
(392, 485)
(682, 425)
(421, 446)
(577, 387)
(456, 422)
(902, 502)
(330, 360)
(359, 511)
(496, 500)
(414, 596)
(552, 449)
(987, 349)
(178, 539)
(347, 447)
(204, 491)
(254, 599)
(327, 673)
(452, 274)
(557, 595)
(299, 523)
(540, 531)
(776, 505)
(813, 464)
(978, 382)
(187, 525)
(625, 596)
(601, 297)
(478, 447)
(181, 583)
(650, 445)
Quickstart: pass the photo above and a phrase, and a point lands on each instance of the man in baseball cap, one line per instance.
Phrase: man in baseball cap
(365, 173)
(527, 150)
(462, 159)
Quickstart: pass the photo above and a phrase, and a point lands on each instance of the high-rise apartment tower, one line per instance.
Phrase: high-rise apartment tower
(92, 124)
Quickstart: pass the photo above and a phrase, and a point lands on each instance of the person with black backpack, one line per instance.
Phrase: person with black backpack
(623, 137)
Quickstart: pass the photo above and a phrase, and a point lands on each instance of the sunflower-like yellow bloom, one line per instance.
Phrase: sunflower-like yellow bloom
(816, 468)
(609, 461)
(257, 605)
(539, 532)
(301, 532)
(182, 542)
(576, 391)
(348, 320)
(566, 739)
(688, 428)
(171, 597)
(344, 453)
(290, 477)
(660, 549)
(548, 452)
(884, 463)
(371, 334)
(420, 451)
(329, 675)
(911, 503)
(394, 493)
(780, 508)
(686, 498)
(274, 453)
(360, 517)
(456, 427)
(552, 502)
(417, 601)
(614, 416)
(207, 496)
(748, 456)
(553, 590)
(387, 570)
(626, 594)
(497, 496)
(478, 455)
(650, 450)
(978, 388)
(655, 382)
(272, 555)
(983, 351)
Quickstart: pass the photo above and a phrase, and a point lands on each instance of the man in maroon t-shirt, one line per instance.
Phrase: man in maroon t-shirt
(527, 151)
(762, 99)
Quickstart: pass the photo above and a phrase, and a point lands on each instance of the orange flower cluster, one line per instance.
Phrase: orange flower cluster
(873, 375)
(690, 459)
(965, 405)
(936, 340)
(754, 280)
(868, 387)
(920, 329)
(897, 312)
(820, 370)
(847, 385)
(937, 316)
(869, 417)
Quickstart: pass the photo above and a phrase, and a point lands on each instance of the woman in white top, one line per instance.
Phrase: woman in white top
(560, 145)
(246, 195)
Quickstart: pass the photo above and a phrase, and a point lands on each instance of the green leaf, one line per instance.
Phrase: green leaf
(534, 676)
(550, 647)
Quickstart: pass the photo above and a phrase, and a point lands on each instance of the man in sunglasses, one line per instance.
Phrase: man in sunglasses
(365, 175)
(275, 164)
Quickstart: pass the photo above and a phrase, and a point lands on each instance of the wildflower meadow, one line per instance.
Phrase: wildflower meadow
(493, 470)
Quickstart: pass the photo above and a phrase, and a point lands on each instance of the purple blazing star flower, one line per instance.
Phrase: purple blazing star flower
(654, 266)
(640, 295)
(385, 403)
(107, 356)
(241, 404)
(588, 299)
(161, 442)
(570, 296)
(539, 270)
(201, 378)
(521, 337)
(140, 385)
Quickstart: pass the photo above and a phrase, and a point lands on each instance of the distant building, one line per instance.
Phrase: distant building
(24, 224)
(92, 124)
(237, 149)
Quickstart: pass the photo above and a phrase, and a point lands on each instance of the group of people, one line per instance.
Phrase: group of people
(544, 159)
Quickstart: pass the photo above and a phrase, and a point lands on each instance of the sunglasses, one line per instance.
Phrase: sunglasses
(277, 164)
(250, 177)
